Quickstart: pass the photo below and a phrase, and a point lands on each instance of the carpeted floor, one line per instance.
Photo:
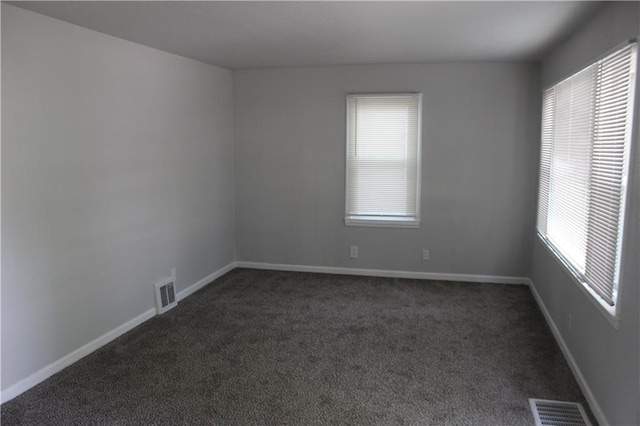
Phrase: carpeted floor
(261, 347)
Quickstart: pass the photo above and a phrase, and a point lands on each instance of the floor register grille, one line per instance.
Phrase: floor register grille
(558, 413)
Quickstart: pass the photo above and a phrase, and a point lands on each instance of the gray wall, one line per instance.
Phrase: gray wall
(117, 166)
(607, 358)
(480, 127)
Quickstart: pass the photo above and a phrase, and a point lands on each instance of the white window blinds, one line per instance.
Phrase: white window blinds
(586, 136)
(383, 158)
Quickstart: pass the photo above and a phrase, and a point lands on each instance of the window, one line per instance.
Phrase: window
(383, 160)
(586, 137)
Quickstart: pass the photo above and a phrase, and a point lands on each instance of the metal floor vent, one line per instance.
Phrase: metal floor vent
(165, 295)
(558, 413)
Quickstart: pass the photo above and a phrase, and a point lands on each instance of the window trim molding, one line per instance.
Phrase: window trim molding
(610, 312)
(384, 221)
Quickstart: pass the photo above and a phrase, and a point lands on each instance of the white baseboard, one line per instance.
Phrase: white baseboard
(584, 386)
(386, 273)
(51, 369)
(206, 280)
(56, 366)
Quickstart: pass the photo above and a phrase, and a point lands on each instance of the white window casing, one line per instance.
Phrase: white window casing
(584, 162)
(383, 160)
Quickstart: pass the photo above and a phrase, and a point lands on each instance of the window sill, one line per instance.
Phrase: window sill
(382, 221)
(608, 312)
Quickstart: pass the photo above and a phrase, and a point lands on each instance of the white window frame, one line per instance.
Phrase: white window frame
(384, 221)
(610, 312)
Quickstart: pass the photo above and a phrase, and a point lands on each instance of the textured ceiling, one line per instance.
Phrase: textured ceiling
(243, 35)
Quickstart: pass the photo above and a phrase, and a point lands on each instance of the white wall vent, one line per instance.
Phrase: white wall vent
(165, 295)
(558, 413)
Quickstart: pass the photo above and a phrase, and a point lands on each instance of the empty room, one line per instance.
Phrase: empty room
(311, 213)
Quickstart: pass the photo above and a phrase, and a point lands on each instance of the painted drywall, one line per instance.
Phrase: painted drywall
(607, 358)
(480, 126)
(117, 166)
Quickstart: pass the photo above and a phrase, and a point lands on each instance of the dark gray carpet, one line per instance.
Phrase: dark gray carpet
(259, 347)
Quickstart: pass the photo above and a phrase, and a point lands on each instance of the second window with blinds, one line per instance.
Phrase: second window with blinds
(584, 165)
(383, 160)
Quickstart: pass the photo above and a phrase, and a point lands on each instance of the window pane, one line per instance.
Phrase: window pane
(569, 186)
(584, 161)
(382, 155)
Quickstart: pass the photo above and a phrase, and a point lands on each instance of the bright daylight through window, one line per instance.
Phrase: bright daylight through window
(585, 148)
(383, 160)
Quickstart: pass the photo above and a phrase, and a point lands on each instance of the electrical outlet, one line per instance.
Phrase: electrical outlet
(570, 323)
(426, 255)
(353, 252)
(173, 273)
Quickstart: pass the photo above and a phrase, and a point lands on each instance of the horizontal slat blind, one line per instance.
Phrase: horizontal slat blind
(609, 163)
(573, 132)
(548, 113)
(382, 155)
(585, 143)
